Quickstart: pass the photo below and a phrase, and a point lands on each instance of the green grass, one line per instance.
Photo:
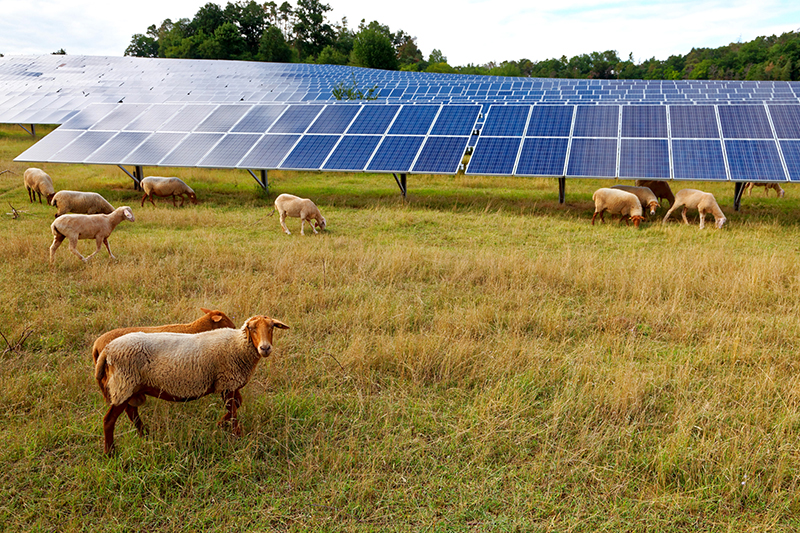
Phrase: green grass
(479, 358)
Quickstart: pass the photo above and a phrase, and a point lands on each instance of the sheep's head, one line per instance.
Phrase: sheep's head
(653, 206)
(259, 332)
(50, 198)
(320, 222)
(192, 197)
(126, 211)
(218, 319)
(719, 222)
(636, 220)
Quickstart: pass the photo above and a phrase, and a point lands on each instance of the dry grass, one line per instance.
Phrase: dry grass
(479, 359)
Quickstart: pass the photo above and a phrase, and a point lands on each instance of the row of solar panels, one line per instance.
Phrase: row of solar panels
(50, 89)
(729, 142)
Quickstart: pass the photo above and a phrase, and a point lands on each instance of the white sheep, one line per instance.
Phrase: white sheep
(97, 227)
(158, 186)
(644, 194)
(180, 367)
(704, 202)
(767, 186)
(303, 208)
(38, 182)
(617, 202)
(87, 203)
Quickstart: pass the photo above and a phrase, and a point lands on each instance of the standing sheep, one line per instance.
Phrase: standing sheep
(303, 208)
(660, 189)
(180, 367)
(87, 203)
(210, 320)
(97, 227)
(767, 186)
(38, 182)
(617, 202)
(644, 194)
(704, 202)
(163, 187)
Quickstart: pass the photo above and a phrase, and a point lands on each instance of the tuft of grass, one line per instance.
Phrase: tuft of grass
(476, 358)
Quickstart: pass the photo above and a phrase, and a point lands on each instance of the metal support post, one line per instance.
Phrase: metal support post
(562, 190)
(737, 194)
(262, 180)
(401, 182)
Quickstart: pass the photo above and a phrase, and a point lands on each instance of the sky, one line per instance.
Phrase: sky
(465, 31)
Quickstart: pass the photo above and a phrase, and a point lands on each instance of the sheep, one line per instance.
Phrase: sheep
(97, 227)
(38, 182)
(767, 186)
(156, 185)
(644, 194)
(180, 367)
(660, 189)
(704, 202)
(617, 202)
(87, 203)
(210, 320)
(293, 206)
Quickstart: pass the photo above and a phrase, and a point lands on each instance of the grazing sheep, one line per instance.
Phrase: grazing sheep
(303, 208)
(86, 203)
(180, 367)
(38, 182)
(155, 185)
(210, 320)
(644, 194)
(704, 202)
(660, 189)
(767, 186)
(617, 202)
(97, 227)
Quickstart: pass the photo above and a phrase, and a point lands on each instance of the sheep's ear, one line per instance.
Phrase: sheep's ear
(204, 310)
(216, 318)
(278, 324)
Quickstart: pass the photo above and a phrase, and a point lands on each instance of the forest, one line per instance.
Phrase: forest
(250, 31)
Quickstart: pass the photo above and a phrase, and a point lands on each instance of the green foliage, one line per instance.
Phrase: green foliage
(348, 90)
(332, 56)
(372, 48)
(311, 31)
(273, 47)
(441, 68)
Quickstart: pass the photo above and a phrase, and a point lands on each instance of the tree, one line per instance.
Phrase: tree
(330, 55)
(273, 47)
(311, 32)
(142, 46)
(437, 57)
(251, 20)
(207, 19)
(373, 49)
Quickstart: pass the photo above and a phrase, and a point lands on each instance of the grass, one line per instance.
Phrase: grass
(480, 358)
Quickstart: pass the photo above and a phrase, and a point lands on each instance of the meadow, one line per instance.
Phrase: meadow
(478, 358)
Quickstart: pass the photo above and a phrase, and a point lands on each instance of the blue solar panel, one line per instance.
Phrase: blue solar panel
(296, 119)
(117, 148)
(269, 151)
(414, 120)
(441, 155)
(693, 122)
(51, 144)
(87, 143)
(744, 122)
(334, 119)
(374, 119)
(223, 118)
(593, 158)
(698, 159)
(310, 152)
(754, 160)
(187, 118)
(550, 121)
(396, 154)
(230, 150)
(353, 152)
(506, 121)
(543, 157)
(153, 118)
(596, 121)
(644, 158)
(153, 150)
(456, 120)
(494, 155)
(644, 121)
(259, 119)
(791, 154)
(786, 119)
(191, 150)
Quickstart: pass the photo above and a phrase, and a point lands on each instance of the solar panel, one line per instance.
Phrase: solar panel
(414, 120)
(543, 157)
(191, 150)
(786, 119)
(311, 152)
(334, 119)
(259, 119)
(456, 120)
(396, 154)
(353, 153)
(596, 121)
(791, 153)
(698, 159)
(693, 122)
(230, 150)
(494, 156)
(744, 122)
(441, 155)
(644, 158)
(113, 152)
(84, 145)
(269, 151)
(754, 161)
(374, 120)
(595, 158)
(152, 150)
(644, 121)
(506, 121)
(187, 118)
(296, 119)
(223, 118)
(550, 121)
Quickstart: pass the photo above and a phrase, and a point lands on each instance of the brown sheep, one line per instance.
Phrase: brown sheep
(660, 189)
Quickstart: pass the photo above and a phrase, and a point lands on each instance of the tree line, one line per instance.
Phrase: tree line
(249, 31)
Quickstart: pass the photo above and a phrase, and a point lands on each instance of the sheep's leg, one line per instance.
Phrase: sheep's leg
(233, 400)
(183, 200)
(283, 223)
(174, 203)
(313, 228)
(143, 199)
(99, 243)
(133, 414)
(671, 209)
(31, 194)
(105, 241)
(57, 240)
(109, 421)
(73, 247)
(302, 222)
(593, 217)
(702, 218)
(683, 214)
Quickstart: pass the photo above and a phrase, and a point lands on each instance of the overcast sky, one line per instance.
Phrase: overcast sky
(466, 31)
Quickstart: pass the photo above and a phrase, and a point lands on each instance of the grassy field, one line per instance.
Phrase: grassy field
(480, 358)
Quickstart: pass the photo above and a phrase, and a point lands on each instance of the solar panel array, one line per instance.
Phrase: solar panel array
(226, 114)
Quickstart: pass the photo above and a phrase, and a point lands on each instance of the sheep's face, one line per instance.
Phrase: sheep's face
(193, 197)
(320, 223)
(636, 220)
(218, 319)
(653, 206)
(718, 224)
(128, 213)
(259, 331)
